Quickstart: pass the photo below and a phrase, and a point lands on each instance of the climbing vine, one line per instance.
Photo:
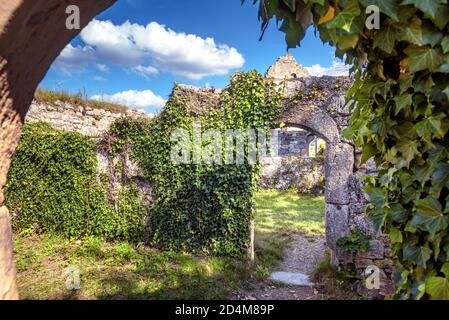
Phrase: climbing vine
(53, 187)
(201, 206)
(400, 117)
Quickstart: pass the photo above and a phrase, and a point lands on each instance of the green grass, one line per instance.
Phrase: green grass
(278, 215)
(288, 211)
(122, 270)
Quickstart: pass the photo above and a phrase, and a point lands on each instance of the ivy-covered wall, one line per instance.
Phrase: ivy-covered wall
(53, 186)
(57, 183)
(201, 206)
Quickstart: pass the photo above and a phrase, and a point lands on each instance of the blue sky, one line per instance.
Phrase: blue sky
(133, 52)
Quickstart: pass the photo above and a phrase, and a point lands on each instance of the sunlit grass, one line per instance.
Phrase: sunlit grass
(288, 211)
(122, 270)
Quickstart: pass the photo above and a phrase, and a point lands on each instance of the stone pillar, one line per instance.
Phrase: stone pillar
(32, 34)
(338, 170)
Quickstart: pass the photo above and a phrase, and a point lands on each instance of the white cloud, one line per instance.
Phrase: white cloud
(145, 71)
(338, 68)
(154, 45)
(103, 68)
(99, 78)
(74, 59)
(133, 99)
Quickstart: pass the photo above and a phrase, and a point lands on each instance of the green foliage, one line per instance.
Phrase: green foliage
(53, 186)
(355, 242)
(401, 118)
(203, 206)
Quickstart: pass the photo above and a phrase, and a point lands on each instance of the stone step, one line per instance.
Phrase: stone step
(292, 278)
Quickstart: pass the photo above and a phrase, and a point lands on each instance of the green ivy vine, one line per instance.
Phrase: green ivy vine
(205, 206)
(400, 117)
(53, 187)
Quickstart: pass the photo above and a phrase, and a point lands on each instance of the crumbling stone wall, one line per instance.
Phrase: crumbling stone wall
(88, 121)
(305, 174)
(322, 111)
(197, 100)
(293, 142)
(286, 67)
(95, 123)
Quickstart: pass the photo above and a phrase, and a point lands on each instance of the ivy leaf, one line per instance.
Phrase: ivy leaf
(416, 254)
(446, 92)
(344, 19)
(405, 82)
(376, 196)
(439, 177)
(293, 32)
(402, 102)
(388, 7)
(385, 39)
(437, 288)
(395, 236)
(321, 2)
(441, 17)
(431, 124)
(408, 149)
(430, 35)
(422, 174)
(412, 32)
(397, 213)
(445, 269)
(429, 216)
(291, 4)
(423, 58)
(348, 41)
(368, 151)
(445, 44)
(330, 14)
(427, 6)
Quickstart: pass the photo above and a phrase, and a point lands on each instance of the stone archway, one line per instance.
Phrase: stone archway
(339, 164)
(32, 34)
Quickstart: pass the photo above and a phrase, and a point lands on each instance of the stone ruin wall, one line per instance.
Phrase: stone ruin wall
(292, 168)
(344, 204)
(95, 123)
(91, 122)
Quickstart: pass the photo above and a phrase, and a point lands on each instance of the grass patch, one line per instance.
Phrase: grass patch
(278, 215)
(79, 99)
(122, 270)
(287, 211)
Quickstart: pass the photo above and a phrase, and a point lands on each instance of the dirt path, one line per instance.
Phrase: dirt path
(302, 255)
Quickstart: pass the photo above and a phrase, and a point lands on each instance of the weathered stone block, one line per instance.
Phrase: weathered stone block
(338, 168)
(376, 251)
(337, 224)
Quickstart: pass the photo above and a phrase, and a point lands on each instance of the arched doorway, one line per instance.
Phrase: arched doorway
(339, 162)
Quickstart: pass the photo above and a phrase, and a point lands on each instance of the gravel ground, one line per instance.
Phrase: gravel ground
(302, 255)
